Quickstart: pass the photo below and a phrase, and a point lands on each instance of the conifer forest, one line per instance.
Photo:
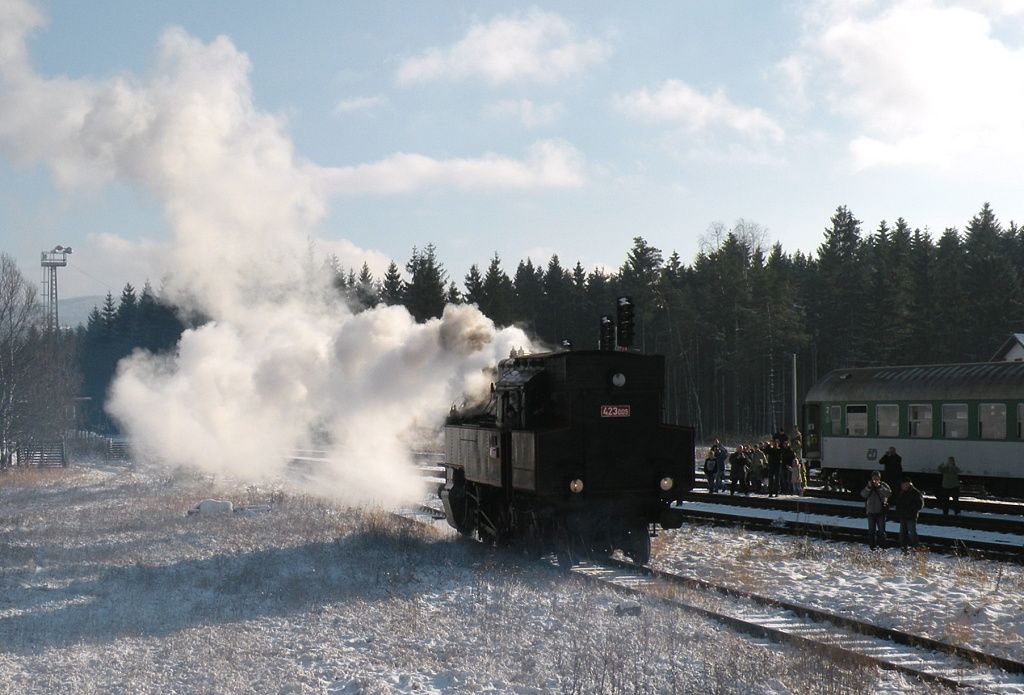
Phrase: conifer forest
(729, 321)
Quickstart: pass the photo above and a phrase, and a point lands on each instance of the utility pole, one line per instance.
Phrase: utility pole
(50, 261)
(796, 416)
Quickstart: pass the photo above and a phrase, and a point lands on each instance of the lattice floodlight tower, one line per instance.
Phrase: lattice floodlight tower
(51, 260)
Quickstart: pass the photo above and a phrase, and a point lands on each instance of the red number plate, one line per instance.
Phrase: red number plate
(614, 411)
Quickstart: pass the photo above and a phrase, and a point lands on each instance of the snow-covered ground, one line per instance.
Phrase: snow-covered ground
(107, 585)
(976, 603)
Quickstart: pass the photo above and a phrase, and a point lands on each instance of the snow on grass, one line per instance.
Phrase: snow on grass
(975, 603)
(108, 586)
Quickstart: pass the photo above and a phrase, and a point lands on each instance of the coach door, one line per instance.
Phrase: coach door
(812, 431)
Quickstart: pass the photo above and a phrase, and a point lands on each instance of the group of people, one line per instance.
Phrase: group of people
(773, 466)
(891, 486)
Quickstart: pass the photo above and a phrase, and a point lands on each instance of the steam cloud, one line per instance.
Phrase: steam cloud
(282, 358)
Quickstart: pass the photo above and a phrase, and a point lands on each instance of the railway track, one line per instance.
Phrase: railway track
(849, 524)
(841, 637)
(850, 508)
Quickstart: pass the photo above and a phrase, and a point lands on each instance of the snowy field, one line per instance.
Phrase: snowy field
(108, 586)
(975, 603)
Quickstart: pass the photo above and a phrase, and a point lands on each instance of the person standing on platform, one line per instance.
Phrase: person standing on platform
(758, 468)
(950, 485)
(909, 504)
(774, 456)
(892, 468)
(721, 456)
(876, 496)
(788, 459)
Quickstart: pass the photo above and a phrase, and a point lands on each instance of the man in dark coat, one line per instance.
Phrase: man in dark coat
(739, 471)
(721, 455)
(892, 468)
(909, 504)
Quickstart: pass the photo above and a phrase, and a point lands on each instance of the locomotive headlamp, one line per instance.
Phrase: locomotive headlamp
(576, 485)
(666, 483)
(618, 379)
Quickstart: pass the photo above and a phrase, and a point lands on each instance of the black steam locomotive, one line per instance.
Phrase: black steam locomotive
(571, 453)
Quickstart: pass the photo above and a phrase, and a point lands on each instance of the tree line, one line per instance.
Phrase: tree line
(729, 322)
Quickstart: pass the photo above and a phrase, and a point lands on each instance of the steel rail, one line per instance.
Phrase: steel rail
(838, 645)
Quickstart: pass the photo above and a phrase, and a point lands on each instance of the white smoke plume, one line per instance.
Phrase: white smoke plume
(282, 359)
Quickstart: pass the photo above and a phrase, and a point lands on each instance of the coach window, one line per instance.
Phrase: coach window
(836, 416)
(992, 420)
(857, 420)
(919, 417)
(954, 421)
(887, 420)
(1020, 421)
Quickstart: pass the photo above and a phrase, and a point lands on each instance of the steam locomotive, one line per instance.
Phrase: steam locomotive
(570, 454)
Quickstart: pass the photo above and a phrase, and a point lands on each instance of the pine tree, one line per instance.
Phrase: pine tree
(126, 317)
(109, 318)
(580, 329)
(496, 294)
(365, 290)
(529, 293)
(839, 319)
(991, 288)
(453, 296)
(425, 293)
(923, 333)
(951, 309)
(638, 279)
(474, 285)
(392, 289)
(555, 303)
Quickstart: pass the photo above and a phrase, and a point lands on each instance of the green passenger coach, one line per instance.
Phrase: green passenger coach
(974, 412)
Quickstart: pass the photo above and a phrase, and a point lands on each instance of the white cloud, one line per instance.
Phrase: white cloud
(540, 255)
(353, 104)
(527, 112)
(923, 84)
(352, 256)
(677, 102)
(135, 259)
(1008, 8)
(536, 46)
(548, 164)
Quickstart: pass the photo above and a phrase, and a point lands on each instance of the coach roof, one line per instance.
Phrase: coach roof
(938, 382)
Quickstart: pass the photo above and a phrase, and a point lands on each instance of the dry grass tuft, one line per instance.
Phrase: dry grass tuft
(920, 561)
(30, 476)
(959, 631)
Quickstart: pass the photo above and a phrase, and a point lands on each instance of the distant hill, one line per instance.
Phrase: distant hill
(76, 310)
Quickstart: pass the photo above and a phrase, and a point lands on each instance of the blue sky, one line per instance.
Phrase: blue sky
(526, 129)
